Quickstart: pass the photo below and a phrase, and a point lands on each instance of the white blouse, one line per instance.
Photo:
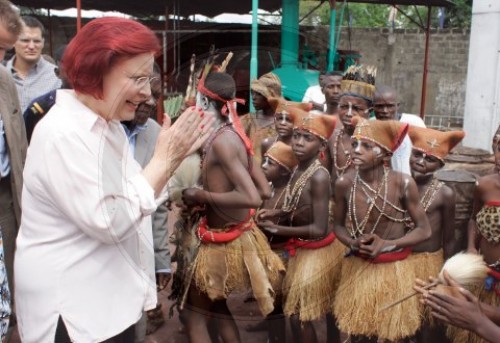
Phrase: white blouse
(85, 247)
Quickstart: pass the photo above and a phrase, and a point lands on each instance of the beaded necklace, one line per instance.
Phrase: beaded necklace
(430, 192)
(292, 195)
(339, 171)
(358, 227)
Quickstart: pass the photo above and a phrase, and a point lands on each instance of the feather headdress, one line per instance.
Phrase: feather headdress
(359, 80)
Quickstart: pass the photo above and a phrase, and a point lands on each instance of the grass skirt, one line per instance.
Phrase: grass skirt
(311, 281)
(243, 264)
(365, 288)
(458, 335)
(427, 264)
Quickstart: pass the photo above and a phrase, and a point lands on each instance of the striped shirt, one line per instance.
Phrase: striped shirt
(41, 79)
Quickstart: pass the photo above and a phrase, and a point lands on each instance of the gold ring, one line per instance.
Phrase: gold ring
(201, 134)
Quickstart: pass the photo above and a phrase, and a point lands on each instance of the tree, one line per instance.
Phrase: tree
(372, 15)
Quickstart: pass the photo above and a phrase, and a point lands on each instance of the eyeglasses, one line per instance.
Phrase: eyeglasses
(141, 81)
(26, 41)
(389, 106)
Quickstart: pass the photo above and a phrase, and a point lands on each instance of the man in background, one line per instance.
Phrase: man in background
(386, 107)
(32, 74)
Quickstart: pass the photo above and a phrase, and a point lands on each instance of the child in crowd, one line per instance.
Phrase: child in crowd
(260, 125)
(430, 147)
(282, 121)
(314, 254)
(233, 253)
(376, 201)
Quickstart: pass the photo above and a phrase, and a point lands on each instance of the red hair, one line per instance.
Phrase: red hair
(99, 45)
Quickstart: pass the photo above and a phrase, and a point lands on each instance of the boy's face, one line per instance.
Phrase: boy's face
(306, 145)
(283, 124)
(422, 164)
(332, 88)
(366, 154)
(272, 170)
(350, 106)
(259, 101)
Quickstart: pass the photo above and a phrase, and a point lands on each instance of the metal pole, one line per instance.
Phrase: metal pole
(78, 15)
(331, 42)
(426, 63)
(254, 50)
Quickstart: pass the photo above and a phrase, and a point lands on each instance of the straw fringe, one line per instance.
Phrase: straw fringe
(365, 288)
(245, 263)
(427, 264)
(457, 335)
(311, 281)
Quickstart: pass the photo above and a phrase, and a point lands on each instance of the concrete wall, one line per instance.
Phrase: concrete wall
(399, 56)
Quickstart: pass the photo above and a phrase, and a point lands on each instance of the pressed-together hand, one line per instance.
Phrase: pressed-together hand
(371, 245)
(192, 196)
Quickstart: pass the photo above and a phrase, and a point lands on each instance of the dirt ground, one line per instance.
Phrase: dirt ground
(244, 313)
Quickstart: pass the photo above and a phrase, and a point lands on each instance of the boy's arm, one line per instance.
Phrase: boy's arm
(448, 221)
(244, 193)
(341, 191)
(320, 195)
(260, 180)
(472, 236)
(422, 230)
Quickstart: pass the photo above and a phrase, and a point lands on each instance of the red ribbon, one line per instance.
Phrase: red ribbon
(492, 203)
(496, 275)
(208, 236)
(229, 105)
(293, 244)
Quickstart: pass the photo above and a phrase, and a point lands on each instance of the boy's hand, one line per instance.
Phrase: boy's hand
(371, 245)
(192, 196)
(266, 214)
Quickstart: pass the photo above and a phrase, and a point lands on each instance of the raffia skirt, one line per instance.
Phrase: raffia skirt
(367, 287)
(311, 281)
(242, 264)
(458, 335)
(427, 264)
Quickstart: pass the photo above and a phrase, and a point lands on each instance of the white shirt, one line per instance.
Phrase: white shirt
(85, 247)
(315, 94)
(400, 159)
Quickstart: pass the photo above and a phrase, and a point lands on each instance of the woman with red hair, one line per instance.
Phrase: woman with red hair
(84, 266)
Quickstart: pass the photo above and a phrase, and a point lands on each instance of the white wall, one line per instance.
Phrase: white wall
(482, 99)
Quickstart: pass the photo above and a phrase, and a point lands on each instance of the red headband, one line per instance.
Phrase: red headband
(229, 105)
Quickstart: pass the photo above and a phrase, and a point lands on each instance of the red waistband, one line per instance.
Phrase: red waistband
(492, 203)
(208, 236)
(496, 276)
(293, 244)
(388, 256)
(494, 273)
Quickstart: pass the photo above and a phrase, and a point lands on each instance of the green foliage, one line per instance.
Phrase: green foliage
(371, 15)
